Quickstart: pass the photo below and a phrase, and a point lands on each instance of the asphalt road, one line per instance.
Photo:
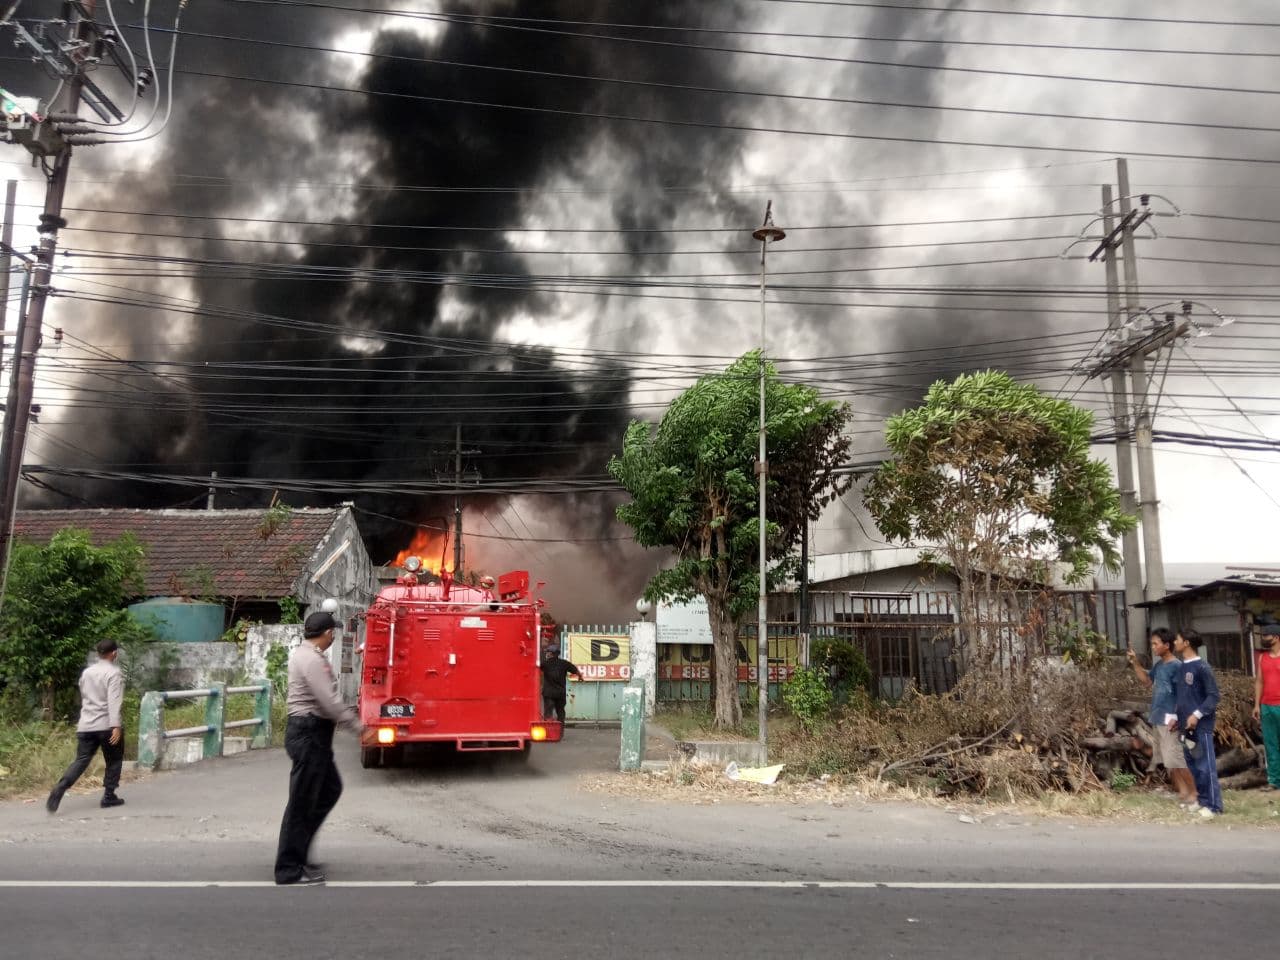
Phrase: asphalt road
(479, 858)
(706, 922)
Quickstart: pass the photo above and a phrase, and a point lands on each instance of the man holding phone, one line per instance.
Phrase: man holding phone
(1162, 678)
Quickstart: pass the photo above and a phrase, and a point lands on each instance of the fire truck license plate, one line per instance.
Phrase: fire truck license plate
(397, 709)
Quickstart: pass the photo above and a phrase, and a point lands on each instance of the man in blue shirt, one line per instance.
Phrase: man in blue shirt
(1162, 678)
(1197, 710)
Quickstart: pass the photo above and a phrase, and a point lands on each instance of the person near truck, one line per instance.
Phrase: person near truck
(1197, 712)
(1266, 701)
(1162, 677)
(100, 727)
(555, 691)
(315, 711)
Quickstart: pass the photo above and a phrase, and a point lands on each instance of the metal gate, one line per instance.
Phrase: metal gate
(602, 652)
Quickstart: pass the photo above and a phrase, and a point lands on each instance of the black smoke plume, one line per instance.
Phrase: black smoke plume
(376, 374)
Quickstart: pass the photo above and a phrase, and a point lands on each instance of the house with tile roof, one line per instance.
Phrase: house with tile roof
(248, 560)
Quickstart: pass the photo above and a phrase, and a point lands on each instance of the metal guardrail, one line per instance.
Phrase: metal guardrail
(152, 733)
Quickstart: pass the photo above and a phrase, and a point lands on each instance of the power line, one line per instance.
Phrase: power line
(787, 131)
(758, 94)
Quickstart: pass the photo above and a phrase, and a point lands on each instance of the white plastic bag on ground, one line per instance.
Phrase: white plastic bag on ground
(765, 775)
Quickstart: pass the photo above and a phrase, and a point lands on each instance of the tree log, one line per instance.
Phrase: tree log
(1235, 761)
(1142, 730)
(1131, 706)
(1116, 718)
(1245, 781)
(1121, 743)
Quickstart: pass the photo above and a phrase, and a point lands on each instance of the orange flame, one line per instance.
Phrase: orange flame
(428, 546)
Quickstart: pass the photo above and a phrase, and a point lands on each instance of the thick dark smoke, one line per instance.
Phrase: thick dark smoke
(377, 410)
(383, 409)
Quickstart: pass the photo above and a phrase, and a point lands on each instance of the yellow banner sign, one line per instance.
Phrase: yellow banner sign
(599, 656)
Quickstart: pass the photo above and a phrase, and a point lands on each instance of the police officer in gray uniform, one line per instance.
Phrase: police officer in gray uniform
(315, 710)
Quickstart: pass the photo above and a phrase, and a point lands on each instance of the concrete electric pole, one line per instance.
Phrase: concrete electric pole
(766, 234)
(1148, 502)
(1135, 619)
(1140, 334)
(80, 24)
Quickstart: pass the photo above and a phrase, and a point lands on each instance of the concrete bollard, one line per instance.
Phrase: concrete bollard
(150, 730)
(215, 714)
(262, 710)
(633, 735)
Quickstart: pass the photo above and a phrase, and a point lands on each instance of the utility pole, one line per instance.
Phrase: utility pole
(1141, 334)
(802, 627)
(457, 501)
(213, 489)
(1148, 501)
(80, 22)
(6, 245)
(1134, 617)
(765, 234)
(458, 476)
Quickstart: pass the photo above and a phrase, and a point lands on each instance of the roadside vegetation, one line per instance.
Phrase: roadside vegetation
(61, 598)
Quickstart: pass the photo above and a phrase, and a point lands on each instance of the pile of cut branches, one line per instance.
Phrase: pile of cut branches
(1124, 742)
(1050, 730)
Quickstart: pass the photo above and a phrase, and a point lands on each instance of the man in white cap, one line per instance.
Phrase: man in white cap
(315, 710)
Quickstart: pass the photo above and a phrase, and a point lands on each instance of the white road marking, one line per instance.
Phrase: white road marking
(606, 884)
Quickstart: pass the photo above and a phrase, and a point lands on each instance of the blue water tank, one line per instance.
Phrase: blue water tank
(176, 620)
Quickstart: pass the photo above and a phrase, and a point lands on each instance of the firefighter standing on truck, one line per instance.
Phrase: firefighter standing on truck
(555, 674)
(315, 710)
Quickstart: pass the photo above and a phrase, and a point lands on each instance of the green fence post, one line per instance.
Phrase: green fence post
(215, 714)
(150, 729)
(262, 710)
(632, 726)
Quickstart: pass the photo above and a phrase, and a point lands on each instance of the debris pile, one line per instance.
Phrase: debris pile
(1006, 739)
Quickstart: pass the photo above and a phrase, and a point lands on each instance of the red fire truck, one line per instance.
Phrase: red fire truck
(453, 664)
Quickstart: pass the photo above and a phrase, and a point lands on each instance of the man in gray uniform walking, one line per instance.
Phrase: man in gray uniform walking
(315, 709)
(101, 695)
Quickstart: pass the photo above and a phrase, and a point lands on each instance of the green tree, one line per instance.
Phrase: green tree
(62, 597)
(693, 489)
(995, 479)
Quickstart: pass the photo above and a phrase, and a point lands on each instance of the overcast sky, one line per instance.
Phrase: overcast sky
(925, 236)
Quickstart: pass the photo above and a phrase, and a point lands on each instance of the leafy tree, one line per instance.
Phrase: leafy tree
(995, 478)
(693, 488)
(62, 598)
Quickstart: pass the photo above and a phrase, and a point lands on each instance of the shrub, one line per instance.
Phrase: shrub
(809, 696)
(278, 670)
(1121, 781)
(843, 664)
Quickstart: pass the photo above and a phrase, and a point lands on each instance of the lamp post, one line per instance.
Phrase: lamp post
(765, 234)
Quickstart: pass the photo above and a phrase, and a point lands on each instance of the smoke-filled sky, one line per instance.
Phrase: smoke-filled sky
(366, 223)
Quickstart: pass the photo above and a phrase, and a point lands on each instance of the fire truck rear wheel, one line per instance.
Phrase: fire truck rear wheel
(371, 757)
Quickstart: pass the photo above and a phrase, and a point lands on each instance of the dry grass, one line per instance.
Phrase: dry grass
(691, 783)
(696, 723)
(34, 755)
(991, 737)
(990, 745)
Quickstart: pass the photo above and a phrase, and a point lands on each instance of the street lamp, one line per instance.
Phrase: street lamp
(766, 234)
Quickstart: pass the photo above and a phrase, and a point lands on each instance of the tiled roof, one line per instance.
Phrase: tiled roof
(223, 553)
